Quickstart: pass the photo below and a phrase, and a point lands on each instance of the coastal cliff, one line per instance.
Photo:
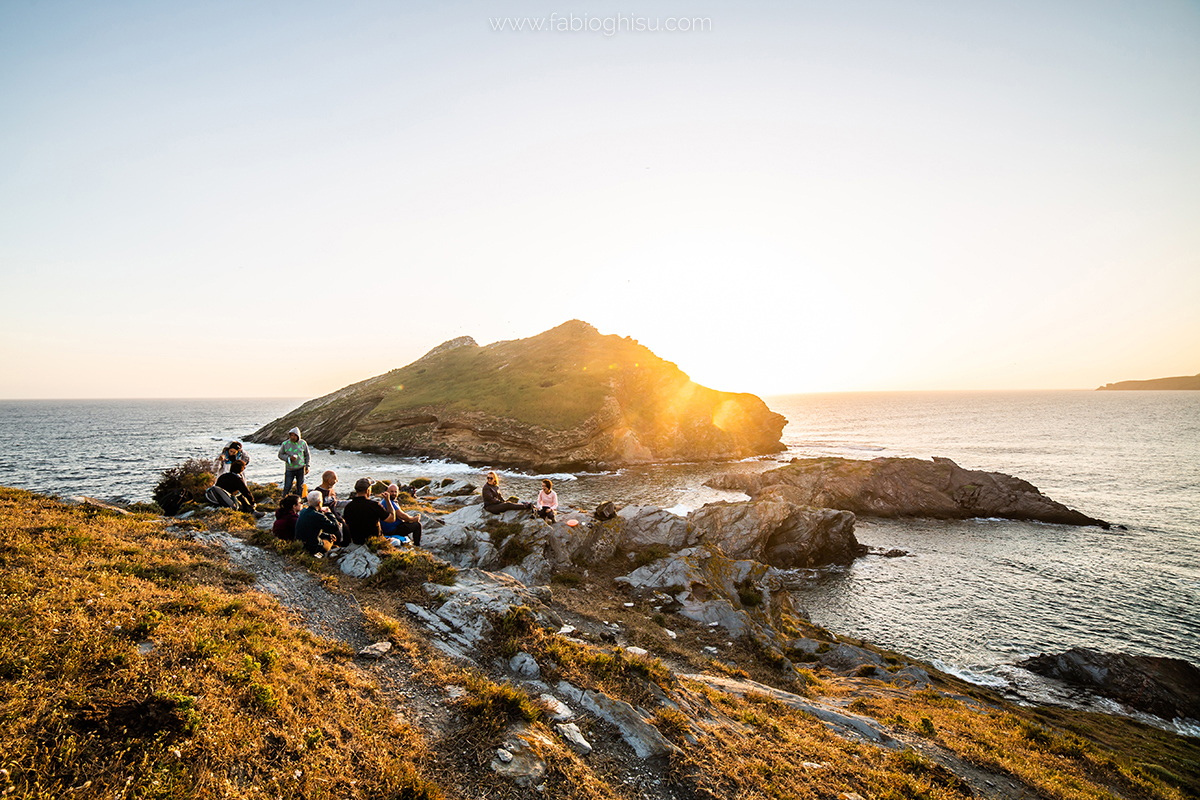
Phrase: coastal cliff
(567, 398)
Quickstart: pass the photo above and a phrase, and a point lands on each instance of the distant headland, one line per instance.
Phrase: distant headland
(568, 398)
(1181, 382)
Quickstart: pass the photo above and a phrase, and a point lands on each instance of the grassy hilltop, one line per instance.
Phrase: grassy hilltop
(137, 663)
(566, 397)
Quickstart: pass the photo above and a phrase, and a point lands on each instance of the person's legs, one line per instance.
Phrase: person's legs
(500, 508)
(410, 529)
(291, 476)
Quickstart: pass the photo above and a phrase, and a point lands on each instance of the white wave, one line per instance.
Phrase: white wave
(680, 510)
(970, 676)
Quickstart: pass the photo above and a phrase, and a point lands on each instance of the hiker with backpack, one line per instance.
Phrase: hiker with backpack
(294, 454)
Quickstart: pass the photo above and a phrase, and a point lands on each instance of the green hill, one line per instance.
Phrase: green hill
(565, 398)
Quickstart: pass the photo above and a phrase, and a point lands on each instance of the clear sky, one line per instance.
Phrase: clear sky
(277, 199)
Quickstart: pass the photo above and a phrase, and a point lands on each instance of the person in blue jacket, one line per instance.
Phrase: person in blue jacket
(315, 527)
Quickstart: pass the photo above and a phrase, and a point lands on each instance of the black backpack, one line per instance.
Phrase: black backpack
(220, 498)
(606, 511)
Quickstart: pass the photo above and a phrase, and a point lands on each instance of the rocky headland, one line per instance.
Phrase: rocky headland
(1170, 384)
(568, 398)
(905, 487)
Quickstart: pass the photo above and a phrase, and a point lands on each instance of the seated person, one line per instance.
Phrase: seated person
(547, 502)
(405, 524)
(315, 527)
(285, 518)
(493, 503)
(230, 453)
(328, 481)
(235, 484)
(362, 515)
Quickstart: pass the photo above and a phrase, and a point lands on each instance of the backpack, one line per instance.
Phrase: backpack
(220, 498)
(174, 500)
(606, 511)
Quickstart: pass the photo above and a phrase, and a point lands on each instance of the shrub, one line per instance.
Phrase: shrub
(419, 482)
(651, 554)
(749, 594)
(184, 483)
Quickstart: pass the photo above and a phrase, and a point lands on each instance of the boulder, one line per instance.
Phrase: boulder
(1165, 687)
(775, 529)
(906, 487)
(359, 562)
(635, 728)
(744, 597)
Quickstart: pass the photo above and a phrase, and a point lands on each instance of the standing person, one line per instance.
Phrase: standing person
(362, 515)
(315, 529)
(235, 483)
(285, 518)
(406, 524)
(294, 455)
(493, 503)
(230, 453)
(547, 502)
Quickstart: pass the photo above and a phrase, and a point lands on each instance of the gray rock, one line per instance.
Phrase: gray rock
(637, 732)
(522, 765)
(359, 562)
(557, 710)
(846, 659)
(646, 526)
(377, 650)
(907, 487)
(570, 732)
(524, 665)
(775, 530)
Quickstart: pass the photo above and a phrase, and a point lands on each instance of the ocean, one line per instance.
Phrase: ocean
(972, 596)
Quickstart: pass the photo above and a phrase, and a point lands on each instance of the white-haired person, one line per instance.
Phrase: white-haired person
(316, 528)
(493, 503)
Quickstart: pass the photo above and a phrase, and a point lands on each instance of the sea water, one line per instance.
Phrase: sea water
(973, 596)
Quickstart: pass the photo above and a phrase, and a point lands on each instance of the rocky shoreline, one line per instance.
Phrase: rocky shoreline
(905, 487)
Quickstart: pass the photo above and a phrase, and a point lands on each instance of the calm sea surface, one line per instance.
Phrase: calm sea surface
(974, 596)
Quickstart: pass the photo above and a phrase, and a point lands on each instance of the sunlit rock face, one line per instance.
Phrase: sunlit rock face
(568, 398)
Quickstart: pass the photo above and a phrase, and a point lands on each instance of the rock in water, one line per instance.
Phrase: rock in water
(1165, 687)
(563, 399)
(906, 487)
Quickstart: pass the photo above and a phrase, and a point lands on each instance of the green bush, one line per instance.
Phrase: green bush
(184, 483)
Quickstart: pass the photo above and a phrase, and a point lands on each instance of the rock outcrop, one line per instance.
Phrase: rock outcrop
(568, 398)
(1166, 687)
(907, 487)
(769, 529)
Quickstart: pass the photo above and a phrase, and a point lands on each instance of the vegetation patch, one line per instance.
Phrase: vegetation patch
(118, 683)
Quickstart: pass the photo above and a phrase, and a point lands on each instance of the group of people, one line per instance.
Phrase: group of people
(325, 522)
(493, 503)
(319, 521)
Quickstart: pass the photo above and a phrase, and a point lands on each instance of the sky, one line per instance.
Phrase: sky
(269, 199)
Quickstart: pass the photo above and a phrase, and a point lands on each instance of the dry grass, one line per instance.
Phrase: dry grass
(133, 665)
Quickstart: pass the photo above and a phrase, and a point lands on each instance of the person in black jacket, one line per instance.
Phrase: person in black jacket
(235, 483)
(493, 503)
(315, 527)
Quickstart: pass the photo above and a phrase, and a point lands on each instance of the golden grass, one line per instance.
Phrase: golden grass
(133, 665)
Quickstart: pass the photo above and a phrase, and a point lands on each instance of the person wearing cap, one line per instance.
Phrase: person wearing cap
(362, 515)
(315, 528)
(294, 454)
(406, 524)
